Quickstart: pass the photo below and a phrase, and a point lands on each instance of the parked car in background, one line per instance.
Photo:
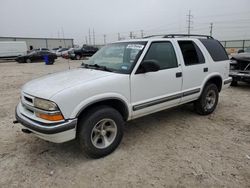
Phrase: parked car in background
(54, 49)
(84, 51)
(240, 67)
(12, 49)
(65, 54)
(60, 51)
(36, 56)
(39, 49)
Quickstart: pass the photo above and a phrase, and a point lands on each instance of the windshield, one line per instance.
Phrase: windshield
(31, 53)
(117, 57)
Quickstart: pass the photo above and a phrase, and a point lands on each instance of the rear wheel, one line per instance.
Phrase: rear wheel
(208, 100)
(100, 131)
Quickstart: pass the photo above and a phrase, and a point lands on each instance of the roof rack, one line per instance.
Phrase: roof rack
(150, 36)
(186, 35)
(179, 35)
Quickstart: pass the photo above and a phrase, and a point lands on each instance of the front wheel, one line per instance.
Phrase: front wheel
(78, 57)
(28, 60)
(208, 100)
(234, 82)
(100, 131)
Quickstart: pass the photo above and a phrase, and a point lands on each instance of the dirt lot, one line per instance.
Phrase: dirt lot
(173, 148)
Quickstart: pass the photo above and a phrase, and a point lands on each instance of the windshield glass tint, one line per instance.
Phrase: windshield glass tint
(118, 57)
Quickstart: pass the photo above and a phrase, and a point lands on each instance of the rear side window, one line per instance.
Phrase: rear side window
(215, 49)
(192, 55)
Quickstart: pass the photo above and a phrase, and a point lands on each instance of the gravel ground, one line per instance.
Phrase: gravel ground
(172, 148)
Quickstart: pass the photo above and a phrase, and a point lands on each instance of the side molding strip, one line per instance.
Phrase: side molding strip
(165, 99)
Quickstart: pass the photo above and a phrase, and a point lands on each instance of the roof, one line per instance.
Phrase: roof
(166, 36)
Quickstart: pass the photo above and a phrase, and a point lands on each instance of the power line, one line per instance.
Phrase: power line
(142, 34)
(189, 21)
(130, 34)
(89, 37)
(93, 37)
(211, 29)
(86, 39)
(104, 39)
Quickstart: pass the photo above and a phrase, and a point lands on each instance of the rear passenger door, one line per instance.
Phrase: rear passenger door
(195, 69)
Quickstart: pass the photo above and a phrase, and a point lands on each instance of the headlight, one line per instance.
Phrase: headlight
(51, 111)
(45, 104)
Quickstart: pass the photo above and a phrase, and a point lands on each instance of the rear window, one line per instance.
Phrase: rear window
(215, 49)
(192, 55)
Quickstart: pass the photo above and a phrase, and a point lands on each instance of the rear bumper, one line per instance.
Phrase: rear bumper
(58, 132)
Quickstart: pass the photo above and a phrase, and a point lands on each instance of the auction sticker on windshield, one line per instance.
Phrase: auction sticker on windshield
(135, 46)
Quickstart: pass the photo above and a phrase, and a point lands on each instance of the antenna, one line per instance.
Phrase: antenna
(65, 45)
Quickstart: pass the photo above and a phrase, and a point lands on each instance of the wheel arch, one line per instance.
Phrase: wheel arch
(116, 103)
(215, 79)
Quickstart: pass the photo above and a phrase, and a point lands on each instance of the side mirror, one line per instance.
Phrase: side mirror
(148, 66)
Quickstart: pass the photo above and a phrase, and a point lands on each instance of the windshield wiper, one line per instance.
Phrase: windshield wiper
(96, 66)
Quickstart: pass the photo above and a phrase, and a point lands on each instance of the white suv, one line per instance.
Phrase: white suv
(123, 81)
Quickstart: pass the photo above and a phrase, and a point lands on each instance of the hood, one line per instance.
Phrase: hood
(47, 86)
(242, 56)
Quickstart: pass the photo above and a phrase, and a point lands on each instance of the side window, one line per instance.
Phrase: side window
(163, 53)
(215, 49)
(192, 55)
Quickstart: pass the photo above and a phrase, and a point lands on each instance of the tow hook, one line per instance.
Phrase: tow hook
(15, 122)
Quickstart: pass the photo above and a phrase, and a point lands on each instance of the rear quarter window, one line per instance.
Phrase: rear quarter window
(215, 49)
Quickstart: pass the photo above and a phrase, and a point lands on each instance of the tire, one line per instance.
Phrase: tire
(234, 82)
(78, 57)
(97, 141)
(208, 100)
(28, 60)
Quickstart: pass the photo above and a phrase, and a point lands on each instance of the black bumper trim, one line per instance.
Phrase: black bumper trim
(48, 128)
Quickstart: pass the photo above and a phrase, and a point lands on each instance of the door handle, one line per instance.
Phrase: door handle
(178, 74)
(205, 69)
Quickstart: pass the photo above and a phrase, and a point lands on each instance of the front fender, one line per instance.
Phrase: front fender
(98, 98)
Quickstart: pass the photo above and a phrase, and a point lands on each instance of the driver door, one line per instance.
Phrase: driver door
(154, 91)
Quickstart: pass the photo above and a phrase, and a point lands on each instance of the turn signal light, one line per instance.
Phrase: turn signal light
(54, 117)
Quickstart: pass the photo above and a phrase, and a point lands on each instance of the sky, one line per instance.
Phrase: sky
(74, 18)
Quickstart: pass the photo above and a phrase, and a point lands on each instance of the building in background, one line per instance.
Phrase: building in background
(33, 43)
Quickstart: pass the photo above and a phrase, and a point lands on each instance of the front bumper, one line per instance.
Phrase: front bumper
(240, 75)
(227, 81)
(57, 132)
